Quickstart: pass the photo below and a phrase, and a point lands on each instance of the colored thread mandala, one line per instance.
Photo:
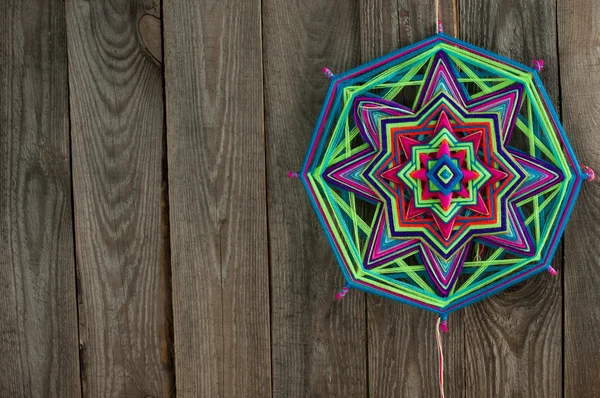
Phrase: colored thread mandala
(440, 174)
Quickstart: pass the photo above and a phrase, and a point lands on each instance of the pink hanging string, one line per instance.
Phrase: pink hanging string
(438, 329)
(441, 324)
(439, 26)
(292, 174)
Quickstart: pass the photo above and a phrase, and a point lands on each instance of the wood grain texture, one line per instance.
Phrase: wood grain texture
(117, 137)
(254, 278)
(217, 193)
(38, 313)
(513, 341)
(579, 40)
(401, 339)
(318, 344)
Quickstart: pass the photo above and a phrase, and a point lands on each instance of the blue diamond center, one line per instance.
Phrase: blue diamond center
(444, 174)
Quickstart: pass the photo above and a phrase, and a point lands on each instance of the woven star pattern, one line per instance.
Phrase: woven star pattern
(440, 174)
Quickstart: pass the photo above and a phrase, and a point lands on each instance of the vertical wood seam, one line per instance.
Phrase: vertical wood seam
(73, 226)
(166, 221)
(266, 204)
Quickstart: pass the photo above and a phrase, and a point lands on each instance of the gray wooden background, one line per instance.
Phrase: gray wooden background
(151, 244)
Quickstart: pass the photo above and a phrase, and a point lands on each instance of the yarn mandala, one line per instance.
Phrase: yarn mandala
(440, 174)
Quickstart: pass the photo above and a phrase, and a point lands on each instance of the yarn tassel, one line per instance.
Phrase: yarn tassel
(438, 330)
(552, 271)
(590, 175)
(538, 64)
(327, 73)
(444, 326)
(340, 295)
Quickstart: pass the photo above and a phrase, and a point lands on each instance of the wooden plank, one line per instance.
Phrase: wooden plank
(318, 344)
(401, 339)
(580, 82)
(513, 340)
(38, 307)
(217, 193)
(117, 138)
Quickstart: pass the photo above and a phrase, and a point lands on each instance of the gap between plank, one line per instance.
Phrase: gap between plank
(167, 340)
(268, 229)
